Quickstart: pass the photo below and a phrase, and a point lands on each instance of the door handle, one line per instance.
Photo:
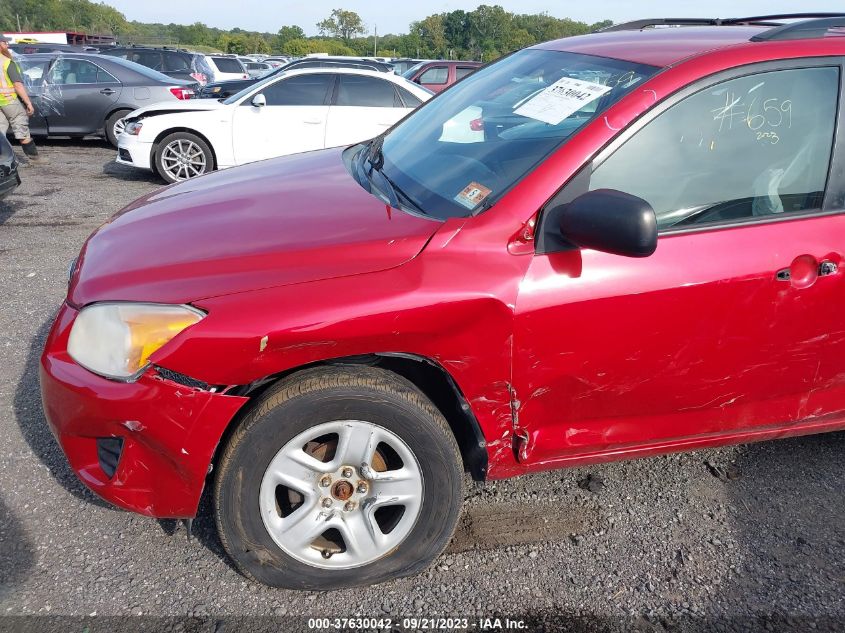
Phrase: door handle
(805, 269)
(107, 91)
(312, 122)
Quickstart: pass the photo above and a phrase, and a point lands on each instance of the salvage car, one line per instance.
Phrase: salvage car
(642, 253)
(176, 63)
(78, 94)
(296, 111)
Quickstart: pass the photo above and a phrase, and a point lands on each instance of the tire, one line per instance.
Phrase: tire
(397, 526)
(189, 147)
(114, 121)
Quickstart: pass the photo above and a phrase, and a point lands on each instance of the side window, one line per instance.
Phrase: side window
(435, 75)
(359, 90)
(104, 77)
(753, 146)
(176, 63)
(304, 90)
(410, 100)
(150, 59)
(463, 71)
(33, 72)
(67, 72)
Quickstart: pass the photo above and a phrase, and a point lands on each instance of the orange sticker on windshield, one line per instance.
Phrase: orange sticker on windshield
(472, 195)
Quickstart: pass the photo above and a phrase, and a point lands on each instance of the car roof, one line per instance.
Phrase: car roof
(340, 70)
(656, 46)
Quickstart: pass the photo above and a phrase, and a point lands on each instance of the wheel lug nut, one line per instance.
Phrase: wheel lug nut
(326, 481)
(326, 503)
(347, 472)
(362, 488)
(350, 505)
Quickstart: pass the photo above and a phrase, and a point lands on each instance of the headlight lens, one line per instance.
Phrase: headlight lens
(133, 128)
(116, 339)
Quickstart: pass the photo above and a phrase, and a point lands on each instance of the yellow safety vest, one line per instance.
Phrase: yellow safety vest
(7, 88)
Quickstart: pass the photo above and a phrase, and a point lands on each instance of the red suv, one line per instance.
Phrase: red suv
(439, 75)
(604, 247)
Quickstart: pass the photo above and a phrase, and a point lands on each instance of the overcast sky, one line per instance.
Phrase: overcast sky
(394, 17)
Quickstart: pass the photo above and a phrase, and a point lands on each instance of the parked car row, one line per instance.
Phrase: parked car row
(80, 94)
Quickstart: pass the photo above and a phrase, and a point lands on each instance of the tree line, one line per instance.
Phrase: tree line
(482, 34)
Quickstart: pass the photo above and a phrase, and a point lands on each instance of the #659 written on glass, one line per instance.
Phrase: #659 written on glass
(764, 117)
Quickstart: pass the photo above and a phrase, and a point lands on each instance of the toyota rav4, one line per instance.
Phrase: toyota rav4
(604, 247)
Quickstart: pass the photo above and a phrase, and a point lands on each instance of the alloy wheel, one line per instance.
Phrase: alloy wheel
(183, 159)
(341, 494)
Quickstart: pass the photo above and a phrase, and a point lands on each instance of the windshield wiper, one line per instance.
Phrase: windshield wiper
(375, 158)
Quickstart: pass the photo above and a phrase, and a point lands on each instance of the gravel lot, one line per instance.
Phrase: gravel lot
(742, 538)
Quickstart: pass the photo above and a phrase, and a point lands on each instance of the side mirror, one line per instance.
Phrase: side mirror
(610, 221)
(259, 101)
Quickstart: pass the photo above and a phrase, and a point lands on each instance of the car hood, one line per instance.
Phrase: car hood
(167, 107)
(283, 221)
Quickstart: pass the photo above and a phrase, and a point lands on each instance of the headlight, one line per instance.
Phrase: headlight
(133, 128)
(116, 339)
(216, 89)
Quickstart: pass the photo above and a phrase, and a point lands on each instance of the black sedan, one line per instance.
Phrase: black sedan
(77, 94)
(9, 178)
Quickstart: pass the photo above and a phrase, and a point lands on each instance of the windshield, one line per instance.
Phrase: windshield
(497, 124)
(408, 74)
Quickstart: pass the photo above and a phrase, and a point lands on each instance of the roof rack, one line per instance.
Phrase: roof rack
(808, 29)
(758, 20)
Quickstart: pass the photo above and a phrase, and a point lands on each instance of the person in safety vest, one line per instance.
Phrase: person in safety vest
(12, 92)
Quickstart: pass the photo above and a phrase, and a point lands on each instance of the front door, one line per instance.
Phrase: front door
(293, 119)
(33, 73)
(719, 332)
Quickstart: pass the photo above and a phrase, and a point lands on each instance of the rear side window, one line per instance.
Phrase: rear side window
(435, 75)
(410, 100)
(150, 59)
(105, 78)
(304, 90)
(227, 65)
(357, 90)
(750, 147)
(463, 71)
(176, 63)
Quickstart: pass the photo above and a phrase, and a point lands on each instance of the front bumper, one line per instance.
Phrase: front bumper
(9, 177)
(131, 151)
(169, 431)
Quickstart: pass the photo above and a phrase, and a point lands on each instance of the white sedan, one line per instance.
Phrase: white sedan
(296, 111)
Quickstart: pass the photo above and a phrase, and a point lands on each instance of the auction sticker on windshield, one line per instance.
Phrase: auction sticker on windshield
(472, 195)
(563, 98)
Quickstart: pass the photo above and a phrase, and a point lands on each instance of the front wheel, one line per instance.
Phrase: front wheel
(338, 477)
(114, 126)
(182, 156)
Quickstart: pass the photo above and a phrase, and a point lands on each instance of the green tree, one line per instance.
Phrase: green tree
(343, 24)
(287, 34)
